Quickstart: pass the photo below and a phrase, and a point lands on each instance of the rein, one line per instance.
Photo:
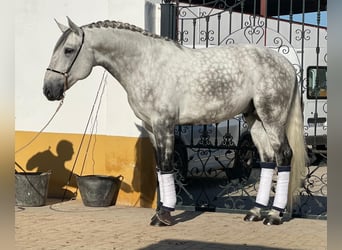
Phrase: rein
(66, 73)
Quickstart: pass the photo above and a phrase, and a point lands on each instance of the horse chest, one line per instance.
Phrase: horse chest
(149, 105)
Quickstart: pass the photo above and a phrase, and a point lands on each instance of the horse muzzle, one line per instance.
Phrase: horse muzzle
(54, 93)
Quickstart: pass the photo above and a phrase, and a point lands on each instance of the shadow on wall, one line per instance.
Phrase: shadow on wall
(144, 178)
(47, 161)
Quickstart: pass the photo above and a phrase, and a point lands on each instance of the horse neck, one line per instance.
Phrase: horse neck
(119, 51)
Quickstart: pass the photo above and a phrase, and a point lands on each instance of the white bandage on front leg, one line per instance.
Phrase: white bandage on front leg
(160, 182)
(169, 191)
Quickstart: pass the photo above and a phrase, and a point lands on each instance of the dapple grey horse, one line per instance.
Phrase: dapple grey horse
(168, 84)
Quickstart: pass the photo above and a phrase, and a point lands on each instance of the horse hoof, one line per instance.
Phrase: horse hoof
(165, 218)
(156, 222)
(271, 220)
(252, 217)
(154, 217)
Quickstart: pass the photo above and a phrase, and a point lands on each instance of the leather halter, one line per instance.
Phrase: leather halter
(66, 73)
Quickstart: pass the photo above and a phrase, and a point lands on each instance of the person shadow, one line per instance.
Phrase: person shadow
(59, 179)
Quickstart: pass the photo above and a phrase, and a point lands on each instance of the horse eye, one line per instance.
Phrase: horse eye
(68, 51)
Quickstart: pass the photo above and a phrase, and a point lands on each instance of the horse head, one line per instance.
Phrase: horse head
(71, 61)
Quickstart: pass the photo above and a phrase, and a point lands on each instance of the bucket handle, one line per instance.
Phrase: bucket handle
(21, 168)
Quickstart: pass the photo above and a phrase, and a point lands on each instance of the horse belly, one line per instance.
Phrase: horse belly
(205, 111)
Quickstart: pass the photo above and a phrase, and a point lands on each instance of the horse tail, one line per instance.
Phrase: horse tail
(295, 136)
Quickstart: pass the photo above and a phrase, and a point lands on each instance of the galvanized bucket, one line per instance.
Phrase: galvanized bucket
(99, 190)
(31, 189)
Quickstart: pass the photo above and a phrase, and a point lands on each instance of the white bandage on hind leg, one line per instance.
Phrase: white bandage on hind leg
(160, 182)
(265, 184)
(169, 191)
(280, 199)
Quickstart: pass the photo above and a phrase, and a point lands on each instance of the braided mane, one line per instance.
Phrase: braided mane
(120, 25)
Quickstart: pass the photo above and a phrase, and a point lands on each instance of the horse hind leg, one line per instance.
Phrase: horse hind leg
(274, 151)
(283, 155)
(267, 165)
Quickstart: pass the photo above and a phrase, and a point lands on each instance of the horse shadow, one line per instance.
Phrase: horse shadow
(144, 178)
(47, 161)
(186, 216)
(195, 244)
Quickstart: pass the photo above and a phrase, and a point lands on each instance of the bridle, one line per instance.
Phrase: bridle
(66, 73)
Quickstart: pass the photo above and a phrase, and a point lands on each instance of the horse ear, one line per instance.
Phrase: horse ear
(74, 27)
(62, 27)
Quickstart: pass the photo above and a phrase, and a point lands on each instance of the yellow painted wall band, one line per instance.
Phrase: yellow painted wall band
(130, 157)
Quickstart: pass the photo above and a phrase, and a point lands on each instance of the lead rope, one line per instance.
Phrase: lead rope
(41, 131)
(33, 139)
(79, 148)
(84, 133)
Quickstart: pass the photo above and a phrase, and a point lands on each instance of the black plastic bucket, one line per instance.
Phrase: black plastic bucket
(31, 189)
(99, 190)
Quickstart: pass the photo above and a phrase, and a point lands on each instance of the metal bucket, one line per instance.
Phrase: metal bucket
(99, 190)
(31, 189)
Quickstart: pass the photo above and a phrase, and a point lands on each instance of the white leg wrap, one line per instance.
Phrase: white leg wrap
(280, 199)
(264, 190)
(160, 181)
(169, 191)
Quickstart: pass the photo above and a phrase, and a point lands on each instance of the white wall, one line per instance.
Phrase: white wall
(35, 36)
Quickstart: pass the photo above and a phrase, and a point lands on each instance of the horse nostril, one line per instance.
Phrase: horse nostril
(47, 93)
(61, 92)
(53, 94)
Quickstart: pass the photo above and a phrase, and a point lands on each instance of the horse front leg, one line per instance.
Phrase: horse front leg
(164, 143)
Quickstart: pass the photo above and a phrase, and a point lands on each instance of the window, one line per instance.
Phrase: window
(317, 82)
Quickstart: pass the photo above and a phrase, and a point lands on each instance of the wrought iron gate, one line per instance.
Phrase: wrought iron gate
(217, 164)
